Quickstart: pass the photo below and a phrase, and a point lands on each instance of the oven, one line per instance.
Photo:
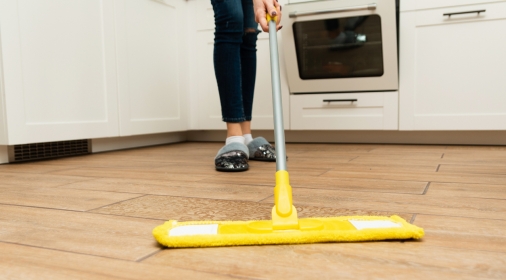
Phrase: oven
(335, 46)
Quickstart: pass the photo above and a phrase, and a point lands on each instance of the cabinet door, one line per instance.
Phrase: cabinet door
(453, 69)
(152, 66)
(59, 70)
(205, 96)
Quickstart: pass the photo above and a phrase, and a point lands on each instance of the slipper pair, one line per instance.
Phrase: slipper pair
(235, 156)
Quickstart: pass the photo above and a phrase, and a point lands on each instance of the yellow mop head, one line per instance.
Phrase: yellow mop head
(284, 228)
(337, 229)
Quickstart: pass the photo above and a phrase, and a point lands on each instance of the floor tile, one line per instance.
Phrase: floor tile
(67, 199)
(25, 262)
(465, 233)
(200, 189)
(456, 190)
(86, 233)
(366, 260)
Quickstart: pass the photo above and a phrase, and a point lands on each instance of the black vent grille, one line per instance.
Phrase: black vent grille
(47, 150)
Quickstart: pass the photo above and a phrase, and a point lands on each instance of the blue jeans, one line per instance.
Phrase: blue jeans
(235, 40)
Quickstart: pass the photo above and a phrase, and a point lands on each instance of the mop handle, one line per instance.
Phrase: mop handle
(279, 133)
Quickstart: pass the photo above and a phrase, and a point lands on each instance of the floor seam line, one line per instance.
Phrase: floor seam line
(413, 217)
(115, 203)
(426, 188)
(149, 255)
(65, 251)
(260, 201)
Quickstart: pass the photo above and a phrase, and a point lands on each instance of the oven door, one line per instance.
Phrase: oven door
(341, 46)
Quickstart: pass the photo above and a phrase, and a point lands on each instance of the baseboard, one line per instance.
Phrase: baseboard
(120, 143)
(4, 154)
(370, 137)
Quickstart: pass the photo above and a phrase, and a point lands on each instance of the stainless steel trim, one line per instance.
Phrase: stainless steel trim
(370, 7)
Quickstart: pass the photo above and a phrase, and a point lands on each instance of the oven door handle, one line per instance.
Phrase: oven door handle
(370, 7)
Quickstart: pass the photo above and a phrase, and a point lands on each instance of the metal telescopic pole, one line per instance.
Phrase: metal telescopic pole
(279, 132)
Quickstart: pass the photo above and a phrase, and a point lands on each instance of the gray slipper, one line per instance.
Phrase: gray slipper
(232, 157)
(260, 149)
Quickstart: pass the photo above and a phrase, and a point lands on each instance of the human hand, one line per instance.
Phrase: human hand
(262, 7)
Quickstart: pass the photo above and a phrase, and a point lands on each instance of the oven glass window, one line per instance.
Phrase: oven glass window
(339, 47)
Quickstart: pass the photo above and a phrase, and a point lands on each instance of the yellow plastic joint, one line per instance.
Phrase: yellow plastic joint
(284, 214)
(269, 18)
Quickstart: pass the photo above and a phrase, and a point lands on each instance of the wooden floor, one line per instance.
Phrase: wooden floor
(91, 217)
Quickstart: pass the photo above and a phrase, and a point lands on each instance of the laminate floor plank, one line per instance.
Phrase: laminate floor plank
(29, 167)
(455, 190)
(201, 189)
(366, 260)
(385, 167)
(482, 157)
(25, 262)
(135, 174)
(196, 209)
(351, 148)
(465, 233)
(38, 180)
(492, 179)
(468, 159)
(80, 232)
(101, 162)
(477, 169)
(389, 148)
(378, 155)
(66, 199)
(468, 148)
(298, 180)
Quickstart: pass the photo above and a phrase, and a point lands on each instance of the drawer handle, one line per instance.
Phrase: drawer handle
(461, 13)
(340, 100)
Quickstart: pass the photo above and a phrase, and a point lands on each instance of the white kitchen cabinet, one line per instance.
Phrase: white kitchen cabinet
(415, 5)
(58, 70)
(207, 108)
(344, 111)
(152, 65)
(452, 68)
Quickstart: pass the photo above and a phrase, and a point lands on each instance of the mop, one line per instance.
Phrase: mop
(285, 227)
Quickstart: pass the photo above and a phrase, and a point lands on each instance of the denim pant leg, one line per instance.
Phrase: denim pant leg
(234, 63)
(248, 57)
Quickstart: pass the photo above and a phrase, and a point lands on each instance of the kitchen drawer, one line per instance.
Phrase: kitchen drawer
(370, 111)
(492, 11)
(414, 5)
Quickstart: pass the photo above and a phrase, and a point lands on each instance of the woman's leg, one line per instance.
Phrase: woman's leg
(258, 147)
(234, 129)
(248, 62)
(228, 37)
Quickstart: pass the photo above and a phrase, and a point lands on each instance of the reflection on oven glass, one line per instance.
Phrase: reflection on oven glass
(339, 47)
